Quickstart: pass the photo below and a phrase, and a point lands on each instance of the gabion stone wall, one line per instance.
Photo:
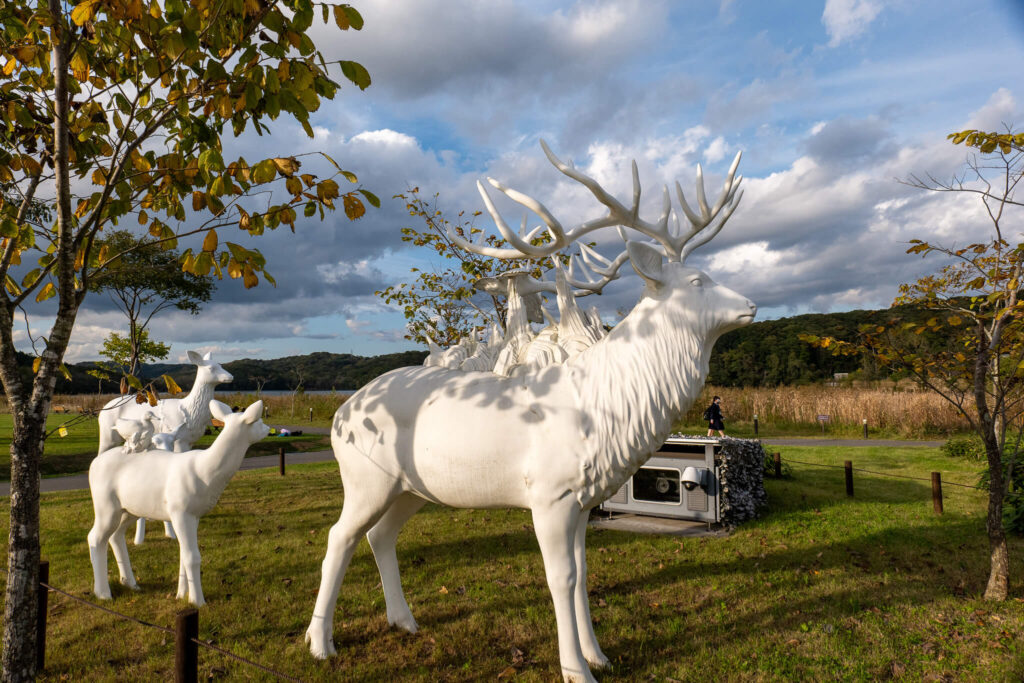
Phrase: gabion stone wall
(741, 470)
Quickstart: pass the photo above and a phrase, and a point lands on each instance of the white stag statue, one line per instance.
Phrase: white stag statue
(176, 487)
(557, 440)
(181, 420)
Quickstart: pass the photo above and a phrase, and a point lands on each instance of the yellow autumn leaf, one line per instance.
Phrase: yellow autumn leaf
(249, 278)
(210, 241)
(354, 208)
(35, 364)
(172, 386)
(48, 291)
(83, 12)
(198, 200)
(286, 165)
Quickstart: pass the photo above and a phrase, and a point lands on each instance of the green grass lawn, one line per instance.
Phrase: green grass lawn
(822, 587)
(71, 454)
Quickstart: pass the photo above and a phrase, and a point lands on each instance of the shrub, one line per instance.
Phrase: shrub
(970, 447)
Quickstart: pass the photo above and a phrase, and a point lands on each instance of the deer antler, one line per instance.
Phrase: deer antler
(705, 223)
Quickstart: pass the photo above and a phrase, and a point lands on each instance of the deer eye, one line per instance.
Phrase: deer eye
(697, 282)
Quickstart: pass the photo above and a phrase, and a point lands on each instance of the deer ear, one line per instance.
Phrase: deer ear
(208, 356)
(194, 358)
(219, 410)
(647, 261)
(253, 413)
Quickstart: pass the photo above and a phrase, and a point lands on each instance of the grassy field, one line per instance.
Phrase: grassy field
(72, 454)
(822, 587)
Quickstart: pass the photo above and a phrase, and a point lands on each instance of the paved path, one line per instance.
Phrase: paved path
(76, 482)
(81, 481)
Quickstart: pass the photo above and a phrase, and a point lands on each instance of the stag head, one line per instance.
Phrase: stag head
(661, 262)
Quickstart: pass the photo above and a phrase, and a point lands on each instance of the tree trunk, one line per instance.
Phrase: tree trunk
(19, 644)
(19, 641)
(999, 570)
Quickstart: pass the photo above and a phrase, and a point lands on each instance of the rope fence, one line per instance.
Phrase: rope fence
(849, 469)
(887, 474)
(186, 633)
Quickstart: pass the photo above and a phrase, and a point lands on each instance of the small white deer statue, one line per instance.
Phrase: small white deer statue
(557, 439)
(176, 487)
(183, 419)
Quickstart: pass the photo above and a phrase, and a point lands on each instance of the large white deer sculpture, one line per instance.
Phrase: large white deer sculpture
(184, 419)
(557, 440)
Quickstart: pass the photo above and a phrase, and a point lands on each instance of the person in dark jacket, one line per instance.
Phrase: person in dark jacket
(714, 413)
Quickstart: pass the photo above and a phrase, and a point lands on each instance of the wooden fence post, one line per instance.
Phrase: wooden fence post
(777, 457)
(755, 426)
(42, 595)
(310, 414)
(280, 457)
(937, 493)
(186, 651)
(848, 464)
(865, 428)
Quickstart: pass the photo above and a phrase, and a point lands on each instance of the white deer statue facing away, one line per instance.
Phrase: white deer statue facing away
(557, 438)
(176, 423)
(176, 487)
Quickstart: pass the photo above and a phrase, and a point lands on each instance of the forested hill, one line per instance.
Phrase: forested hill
(317, 371)
(770, 353)
(765, 353)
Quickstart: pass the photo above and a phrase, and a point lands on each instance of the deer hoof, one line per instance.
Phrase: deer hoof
(320, 645)
(598, 661)
(405, 622)
(576, 676)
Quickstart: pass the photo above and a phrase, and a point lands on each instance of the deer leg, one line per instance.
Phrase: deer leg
(169, 531)
(187, 528)
(357, 516)
(588, 641)
(382, 538)
(140, 531)
(556, 526)
(120, 548)
(103, 527)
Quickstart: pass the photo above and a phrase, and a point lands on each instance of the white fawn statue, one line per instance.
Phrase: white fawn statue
(182, 420)
(176, 487)
(556, 439)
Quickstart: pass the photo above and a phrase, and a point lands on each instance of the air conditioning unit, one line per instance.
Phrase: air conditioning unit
(679, 481)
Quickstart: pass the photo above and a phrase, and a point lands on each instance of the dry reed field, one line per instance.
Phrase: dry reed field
(907, 412)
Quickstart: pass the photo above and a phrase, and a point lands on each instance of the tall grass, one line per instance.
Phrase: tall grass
(895, 410)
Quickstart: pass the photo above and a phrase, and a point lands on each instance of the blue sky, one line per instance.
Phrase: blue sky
(831, 103)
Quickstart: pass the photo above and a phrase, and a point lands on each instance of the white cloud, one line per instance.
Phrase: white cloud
(385, 137)
(846, 19)
(717, 150)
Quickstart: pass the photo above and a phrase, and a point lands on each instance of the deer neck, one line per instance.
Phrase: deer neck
(199, 397)
(217, 464)
(633, 386)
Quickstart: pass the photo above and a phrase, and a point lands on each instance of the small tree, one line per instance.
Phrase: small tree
(971, 351)
(116, 108)
(123, 354)
(441, 302)
(145, 279)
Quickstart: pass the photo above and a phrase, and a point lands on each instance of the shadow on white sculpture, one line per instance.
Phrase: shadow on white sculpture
(556, 432)
(175, 487)
(173, 424)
